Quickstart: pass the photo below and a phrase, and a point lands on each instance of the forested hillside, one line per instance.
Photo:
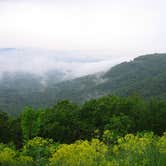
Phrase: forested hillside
(145, 76)
(116, 131)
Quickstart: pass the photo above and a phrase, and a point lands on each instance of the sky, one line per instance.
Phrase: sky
(102, 29)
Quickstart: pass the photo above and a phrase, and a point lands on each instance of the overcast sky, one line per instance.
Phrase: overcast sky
(128, 27)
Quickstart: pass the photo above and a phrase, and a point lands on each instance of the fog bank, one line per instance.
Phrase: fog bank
(40, 61)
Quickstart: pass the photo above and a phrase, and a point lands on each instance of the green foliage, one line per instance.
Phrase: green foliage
(11, 157)
(39, 149)
(10, 130)
(109, 137)
(120, 124)
(136, 150)
(4, 127)
(81, 153)
(60, 122)
(142, 149)
(67, 122)
(30, 123)
(108, 119)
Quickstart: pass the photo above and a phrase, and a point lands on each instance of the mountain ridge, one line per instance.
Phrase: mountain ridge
(144, 75)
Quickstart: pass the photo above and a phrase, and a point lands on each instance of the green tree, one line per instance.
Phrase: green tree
(119, 124)
(30, 123)
(4, 127)
(61, 122)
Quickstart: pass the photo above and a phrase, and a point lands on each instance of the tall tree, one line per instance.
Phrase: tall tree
(30, 123)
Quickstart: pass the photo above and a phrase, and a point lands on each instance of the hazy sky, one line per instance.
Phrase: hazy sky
(128, 27)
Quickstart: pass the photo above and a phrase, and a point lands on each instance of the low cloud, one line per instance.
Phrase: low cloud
(40, 61)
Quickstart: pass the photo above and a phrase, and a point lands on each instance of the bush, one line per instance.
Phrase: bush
(81, 153)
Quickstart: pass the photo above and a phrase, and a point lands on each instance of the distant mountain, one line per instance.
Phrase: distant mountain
(145, 75)
(20, 89)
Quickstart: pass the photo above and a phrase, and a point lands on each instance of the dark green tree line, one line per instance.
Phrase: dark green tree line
(67, 121)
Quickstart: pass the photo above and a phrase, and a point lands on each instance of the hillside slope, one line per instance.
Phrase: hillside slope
(145, 75)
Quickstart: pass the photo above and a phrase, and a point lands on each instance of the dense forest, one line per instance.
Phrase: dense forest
(145, 75)
(108, 131)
